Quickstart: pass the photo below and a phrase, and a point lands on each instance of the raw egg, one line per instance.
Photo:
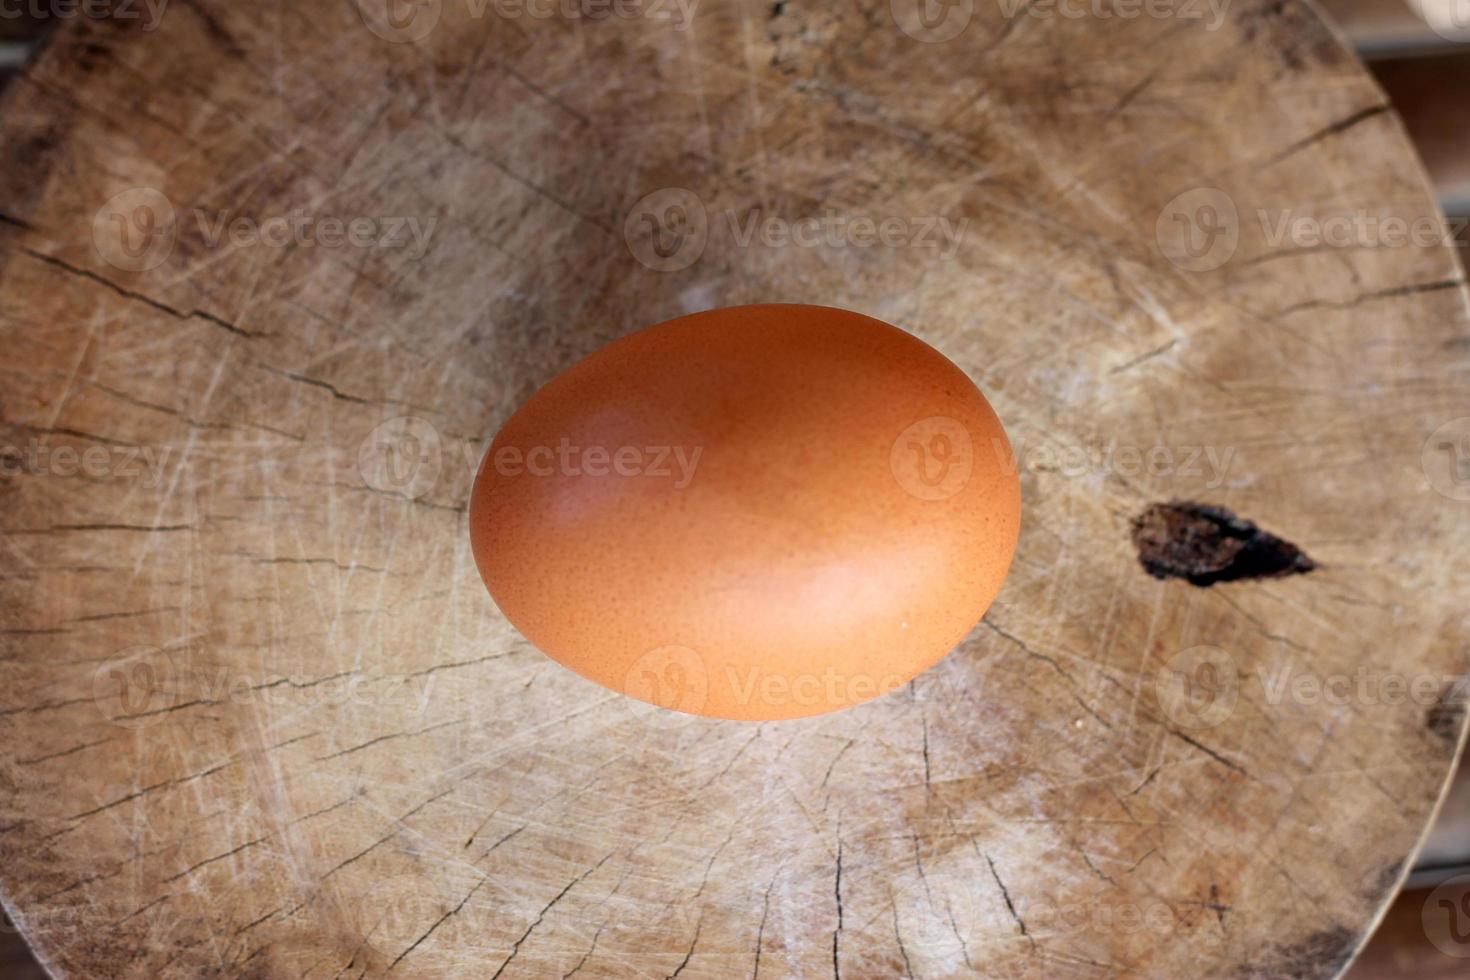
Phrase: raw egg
(758, 512)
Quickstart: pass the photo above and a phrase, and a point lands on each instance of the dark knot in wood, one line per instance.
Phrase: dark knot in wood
(1204, 545)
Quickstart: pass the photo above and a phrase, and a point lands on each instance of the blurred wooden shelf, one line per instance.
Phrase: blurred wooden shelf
(1430, 93)
(1401, 948)
(1386, 28)
(16, 962)
(1382, 25)
(1447, 851)
(19, 24)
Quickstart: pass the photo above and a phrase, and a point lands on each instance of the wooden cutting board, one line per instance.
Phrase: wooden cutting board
(258, 717)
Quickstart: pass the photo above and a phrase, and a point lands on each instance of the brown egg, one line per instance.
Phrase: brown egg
(757, 512)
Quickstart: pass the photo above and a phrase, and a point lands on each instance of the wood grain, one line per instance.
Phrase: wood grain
(258, 717)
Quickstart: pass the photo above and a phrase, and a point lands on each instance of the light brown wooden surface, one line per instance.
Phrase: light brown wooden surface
(258, 717)
(1448, 843)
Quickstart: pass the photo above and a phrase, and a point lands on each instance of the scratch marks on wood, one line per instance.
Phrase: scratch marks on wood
(20, 223)
(837, 757)
(455, 665)
(1148, 356)
(1396, 292)
(135, 528)
(1092, 866)
(218, 857)
(928, 775)
(47, 705)
(724, 771)
(1190, 740)
(442, 919)
(139, 794)
(37, 760)
(592, 948)
(908, 968)
(690, 954)
(760, 933)
(1137, 89)
(363, 853)
(1005, 894)
(1334, 129)
(161, 307)
(541, 916)
(329, 388)
(837, 933)
(387, 738)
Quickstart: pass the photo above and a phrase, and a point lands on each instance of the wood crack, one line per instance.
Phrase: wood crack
(1005, 895)
(515, 950)
(161, 307)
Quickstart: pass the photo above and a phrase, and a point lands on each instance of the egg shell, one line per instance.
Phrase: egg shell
(756, 512)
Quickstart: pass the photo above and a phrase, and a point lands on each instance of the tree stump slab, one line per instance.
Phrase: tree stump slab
(274, 273)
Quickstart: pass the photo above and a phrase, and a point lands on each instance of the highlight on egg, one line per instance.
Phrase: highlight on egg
(757, 512)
